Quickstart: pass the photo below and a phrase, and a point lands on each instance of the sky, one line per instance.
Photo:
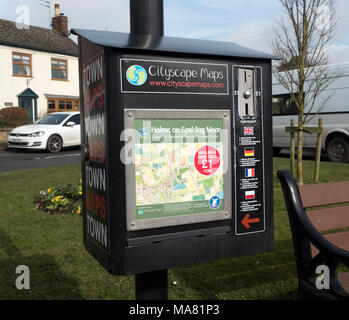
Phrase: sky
(247, 22)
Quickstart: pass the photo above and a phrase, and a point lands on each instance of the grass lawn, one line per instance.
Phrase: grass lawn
(51, 246)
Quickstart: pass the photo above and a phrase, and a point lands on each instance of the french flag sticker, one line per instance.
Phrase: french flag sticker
(249, 173)
(250, 195)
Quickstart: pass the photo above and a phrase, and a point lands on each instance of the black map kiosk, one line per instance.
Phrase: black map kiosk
(177, 151)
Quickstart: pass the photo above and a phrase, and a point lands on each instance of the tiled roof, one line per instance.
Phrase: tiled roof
(36, 38)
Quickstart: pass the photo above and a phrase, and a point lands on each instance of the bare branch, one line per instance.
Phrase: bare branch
(301, 41)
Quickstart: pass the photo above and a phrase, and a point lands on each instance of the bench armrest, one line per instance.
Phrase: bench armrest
(300, 220)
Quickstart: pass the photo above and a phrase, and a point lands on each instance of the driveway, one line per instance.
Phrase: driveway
(11, 159)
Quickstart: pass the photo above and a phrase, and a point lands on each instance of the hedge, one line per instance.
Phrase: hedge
(13, 117)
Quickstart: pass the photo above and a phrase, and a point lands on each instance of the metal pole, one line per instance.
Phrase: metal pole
(292, 147)
(318, 152)
(147, 17)
(152, 285)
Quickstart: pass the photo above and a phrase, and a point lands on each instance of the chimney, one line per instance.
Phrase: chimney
(60, 22)
(57, 10)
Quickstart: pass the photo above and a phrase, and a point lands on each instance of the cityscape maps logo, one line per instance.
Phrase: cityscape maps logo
(143, 132)
(136, 75)
(215, 202)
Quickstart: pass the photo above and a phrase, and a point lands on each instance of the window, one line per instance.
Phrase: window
(55, 105)
(59, 69)
(53, 119)
(51, 105)
(75, 118)
(283, 105)
(69, 105)
(61, 105)
(21, 64)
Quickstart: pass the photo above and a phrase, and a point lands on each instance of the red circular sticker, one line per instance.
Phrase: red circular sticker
(207, 160)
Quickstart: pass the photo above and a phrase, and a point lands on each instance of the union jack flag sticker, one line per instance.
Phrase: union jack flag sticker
(248, 131)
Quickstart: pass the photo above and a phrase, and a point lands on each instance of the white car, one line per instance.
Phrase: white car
(52, 132)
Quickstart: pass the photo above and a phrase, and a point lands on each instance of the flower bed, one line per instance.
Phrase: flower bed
(62, 199)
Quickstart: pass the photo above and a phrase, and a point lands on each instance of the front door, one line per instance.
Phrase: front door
(27, 104)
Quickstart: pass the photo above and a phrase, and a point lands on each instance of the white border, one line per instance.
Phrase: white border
(132, 223)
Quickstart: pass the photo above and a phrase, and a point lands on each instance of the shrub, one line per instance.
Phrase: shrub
(13, 117)
(62, 199)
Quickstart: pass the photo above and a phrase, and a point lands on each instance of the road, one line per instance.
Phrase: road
(11, 159)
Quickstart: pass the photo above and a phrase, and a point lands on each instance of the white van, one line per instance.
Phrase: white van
(335, 115)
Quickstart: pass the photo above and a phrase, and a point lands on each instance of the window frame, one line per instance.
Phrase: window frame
(58, 100)
(21, 64)
(59, 69)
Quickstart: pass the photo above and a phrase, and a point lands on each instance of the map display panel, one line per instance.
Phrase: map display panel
(180, 171)
(178, 167)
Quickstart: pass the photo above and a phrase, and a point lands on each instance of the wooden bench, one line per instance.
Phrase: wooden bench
(312, 246)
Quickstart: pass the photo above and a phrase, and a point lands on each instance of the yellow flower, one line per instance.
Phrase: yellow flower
(80, 193)
(49, 190)
(78, 211)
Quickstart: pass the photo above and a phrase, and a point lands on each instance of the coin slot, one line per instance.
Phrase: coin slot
(246, 89)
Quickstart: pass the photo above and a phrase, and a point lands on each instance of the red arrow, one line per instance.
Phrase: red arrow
(246, 221)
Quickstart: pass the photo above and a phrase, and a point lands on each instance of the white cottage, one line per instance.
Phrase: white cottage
(39, 67)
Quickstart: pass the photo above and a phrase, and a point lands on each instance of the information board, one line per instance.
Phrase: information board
(179, 169)
(173, 77)
(249, 144)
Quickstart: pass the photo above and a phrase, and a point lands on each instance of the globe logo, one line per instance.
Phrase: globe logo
(214, 202)
(136, 75)
(143, 132)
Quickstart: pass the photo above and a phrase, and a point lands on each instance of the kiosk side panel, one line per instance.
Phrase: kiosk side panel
(94, 151)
